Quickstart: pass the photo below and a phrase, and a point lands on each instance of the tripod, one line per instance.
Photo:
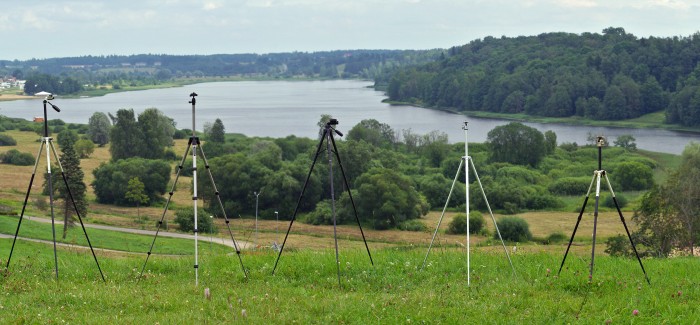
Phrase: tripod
(47, 142)
(327, 136)
(193, 144)
(597, 174)
(466, 161)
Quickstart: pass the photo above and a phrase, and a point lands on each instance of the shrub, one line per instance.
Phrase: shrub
(618, 246)
(14, 157)
(556, 237)
(621, 200)
(412, 225)
(458, 225)
(185, 219)
(6, 140)
(570, 185)
(321, 215)
(513, 229)
(84, 148)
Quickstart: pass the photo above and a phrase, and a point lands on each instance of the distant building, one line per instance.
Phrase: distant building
(38, 119)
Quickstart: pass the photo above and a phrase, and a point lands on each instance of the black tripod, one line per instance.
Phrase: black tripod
(328, 132)
(193, 144)
(47, 142)
(597, 174)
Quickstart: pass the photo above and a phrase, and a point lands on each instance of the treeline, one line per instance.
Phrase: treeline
(144, 69)
(608, 76)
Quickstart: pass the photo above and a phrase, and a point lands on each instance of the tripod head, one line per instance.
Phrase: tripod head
(330, 124)
(465, 126)
(193, 100)
(600, 143)
(46, 120)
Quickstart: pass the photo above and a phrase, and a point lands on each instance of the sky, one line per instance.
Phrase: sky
(61, 28)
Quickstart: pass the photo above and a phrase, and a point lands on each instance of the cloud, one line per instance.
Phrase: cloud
(212, 5)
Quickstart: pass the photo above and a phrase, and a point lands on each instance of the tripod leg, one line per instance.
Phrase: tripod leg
(167, 203)
(75, 207)
(491, 213)
(347, 186)
(449, 195)
(329, 135)
(221, 205)
(619, 212)
(595, 223)
(578, 221)
(24, 206)
(296, 209)
(53, 225)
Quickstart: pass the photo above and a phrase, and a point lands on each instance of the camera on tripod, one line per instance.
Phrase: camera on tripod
(332, 122)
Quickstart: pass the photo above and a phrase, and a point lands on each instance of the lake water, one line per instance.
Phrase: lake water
(282, 108)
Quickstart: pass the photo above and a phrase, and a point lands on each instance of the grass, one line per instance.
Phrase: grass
(305, 289)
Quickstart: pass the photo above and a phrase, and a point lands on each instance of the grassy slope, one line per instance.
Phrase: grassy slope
(305, 288)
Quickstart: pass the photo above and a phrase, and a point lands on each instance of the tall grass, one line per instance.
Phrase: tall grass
(305, 289)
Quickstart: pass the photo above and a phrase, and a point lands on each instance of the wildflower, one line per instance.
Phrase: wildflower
(635, 312)
(244, 313)
(207, 293)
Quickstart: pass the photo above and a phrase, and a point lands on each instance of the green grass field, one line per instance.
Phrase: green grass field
(305, 288)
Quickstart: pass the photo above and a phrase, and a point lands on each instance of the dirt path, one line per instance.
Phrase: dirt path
(204, 238)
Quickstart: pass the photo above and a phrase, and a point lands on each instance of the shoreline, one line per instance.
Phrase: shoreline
(636, 123)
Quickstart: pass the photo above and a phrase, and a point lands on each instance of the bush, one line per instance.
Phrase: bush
(618, 246)
(14, 157)
(570, 185)
(554, 238)
(111, 179)
(458, 225)
(513, 229)
(6, 140)
(412, 225)
(321, 215)
(185, 219)
(608, 201)
(84, 148)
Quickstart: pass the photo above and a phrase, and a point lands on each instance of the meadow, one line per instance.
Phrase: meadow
(305, 288)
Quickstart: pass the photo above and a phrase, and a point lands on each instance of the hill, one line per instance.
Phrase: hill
(608, 76)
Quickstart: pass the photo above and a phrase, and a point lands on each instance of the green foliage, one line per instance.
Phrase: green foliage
(633, 176)
(6, 140)
(185, 220)
(84, 148)
(513, 229)
(626, 141)
(560, 75)
(555, 238)
(112, 179)
(516, 143)
(373, 132)
(99, 127)
(621, 201)
(135, 192)
(570, 185)
(412, 225)
(386, 198)
(15, 157)
(458, 225)
(618, 246)
(146, 138)
(217, 132)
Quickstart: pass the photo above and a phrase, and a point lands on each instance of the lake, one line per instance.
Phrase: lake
(281, 108)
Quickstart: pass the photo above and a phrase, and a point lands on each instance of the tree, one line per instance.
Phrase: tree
(74, 177)
(516, 143)
(387, 198)
(84, 148)
(99, 127)
(157, 130)
(135, 193)
(373, 132)
(217, 132)
(126, 136)
(111, 179)
(626, 141)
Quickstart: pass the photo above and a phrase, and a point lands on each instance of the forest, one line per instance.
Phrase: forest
(610, 76)
(74, 74)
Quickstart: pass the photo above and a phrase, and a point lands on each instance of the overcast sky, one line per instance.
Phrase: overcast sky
(58, 28)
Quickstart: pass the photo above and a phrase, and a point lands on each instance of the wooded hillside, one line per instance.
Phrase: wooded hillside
(608, 76)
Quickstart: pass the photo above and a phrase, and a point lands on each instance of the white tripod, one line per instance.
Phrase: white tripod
(466, 161)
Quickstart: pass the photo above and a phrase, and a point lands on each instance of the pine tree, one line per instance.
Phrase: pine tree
(74, 176)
